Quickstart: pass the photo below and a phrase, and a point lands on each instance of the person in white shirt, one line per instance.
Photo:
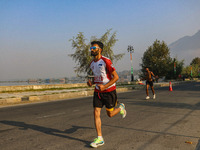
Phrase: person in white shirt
(105, 77)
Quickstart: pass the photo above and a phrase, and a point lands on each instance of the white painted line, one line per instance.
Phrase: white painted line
(198, 145)
(53, 115)
(75, 110)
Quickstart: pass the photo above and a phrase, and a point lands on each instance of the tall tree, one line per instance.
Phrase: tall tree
(82, 54)
(157, 58)
(193, 69)
(174, 69)
(195, 61)
(195, 64)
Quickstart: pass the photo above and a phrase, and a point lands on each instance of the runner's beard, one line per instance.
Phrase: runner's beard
(94, 53)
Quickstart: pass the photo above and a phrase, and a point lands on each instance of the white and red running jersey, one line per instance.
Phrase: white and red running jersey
(102, 70)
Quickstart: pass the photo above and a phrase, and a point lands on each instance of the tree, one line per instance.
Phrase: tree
(187, 71)
(194, 66)
(175, 69)
(195, 61)
(157, 59)
(82, 55)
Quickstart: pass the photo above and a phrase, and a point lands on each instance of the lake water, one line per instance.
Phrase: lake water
(23, 83)
(36, 83)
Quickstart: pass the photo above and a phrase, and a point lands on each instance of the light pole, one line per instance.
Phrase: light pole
(131, 50)
(174, 69)
(199, 73)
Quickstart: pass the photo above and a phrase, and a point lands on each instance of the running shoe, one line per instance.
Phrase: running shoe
(123, 110)
(97, 142)
(147, 97)
(154, 96)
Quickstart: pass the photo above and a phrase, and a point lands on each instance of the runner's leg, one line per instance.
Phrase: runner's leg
(113, 112)
(97, 120)
(147, 92)
(153, 91)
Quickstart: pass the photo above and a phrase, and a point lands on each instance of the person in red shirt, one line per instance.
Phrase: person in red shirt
(105, 77)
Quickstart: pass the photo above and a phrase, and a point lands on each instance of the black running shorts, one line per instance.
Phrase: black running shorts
(150, 83)
(109, 99)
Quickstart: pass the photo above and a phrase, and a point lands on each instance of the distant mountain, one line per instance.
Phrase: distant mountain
(186, 48)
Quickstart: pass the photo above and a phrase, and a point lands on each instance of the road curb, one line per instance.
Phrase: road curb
(69, 95)
(52, 97)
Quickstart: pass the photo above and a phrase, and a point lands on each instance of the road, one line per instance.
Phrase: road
(162, 124)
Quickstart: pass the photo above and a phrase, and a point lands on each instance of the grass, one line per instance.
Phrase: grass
(40, 90)
(56, 89)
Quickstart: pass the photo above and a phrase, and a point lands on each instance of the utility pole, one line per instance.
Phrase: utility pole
(131, 50)
(174, 69)
(199, 73)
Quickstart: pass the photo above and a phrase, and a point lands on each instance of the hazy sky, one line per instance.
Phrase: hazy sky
(34, 34)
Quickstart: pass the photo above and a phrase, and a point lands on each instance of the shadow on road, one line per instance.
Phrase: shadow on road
(166, 104)
(50, 131)
(158, 134)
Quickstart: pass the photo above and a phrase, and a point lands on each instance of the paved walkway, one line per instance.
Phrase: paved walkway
(17, 97)
(37, 93)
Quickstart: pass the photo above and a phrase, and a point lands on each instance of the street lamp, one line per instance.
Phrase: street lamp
(199, 73)
(174, 68)
(131, 50)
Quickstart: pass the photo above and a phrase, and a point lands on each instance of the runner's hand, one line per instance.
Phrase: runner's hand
(101, 87)
(89, 83)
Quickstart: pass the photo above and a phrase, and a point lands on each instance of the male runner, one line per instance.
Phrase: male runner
(105, 77)
(149, 81)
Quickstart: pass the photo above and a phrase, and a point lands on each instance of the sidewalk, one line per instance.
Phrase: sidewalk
(11, 98)
(48, 95)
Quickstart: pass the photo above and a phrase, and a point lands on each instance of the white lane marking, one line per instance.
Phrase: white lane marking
(198, 145)
(75, 110)
(52, 115)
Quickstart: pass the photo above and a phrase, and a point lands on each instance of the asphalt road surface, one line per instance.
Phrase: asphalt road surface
(162, 124)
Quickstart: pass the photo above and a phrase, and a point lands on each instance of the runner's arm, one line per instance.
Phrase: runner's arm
(152, 74)
(111, 82)
(90, 81)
